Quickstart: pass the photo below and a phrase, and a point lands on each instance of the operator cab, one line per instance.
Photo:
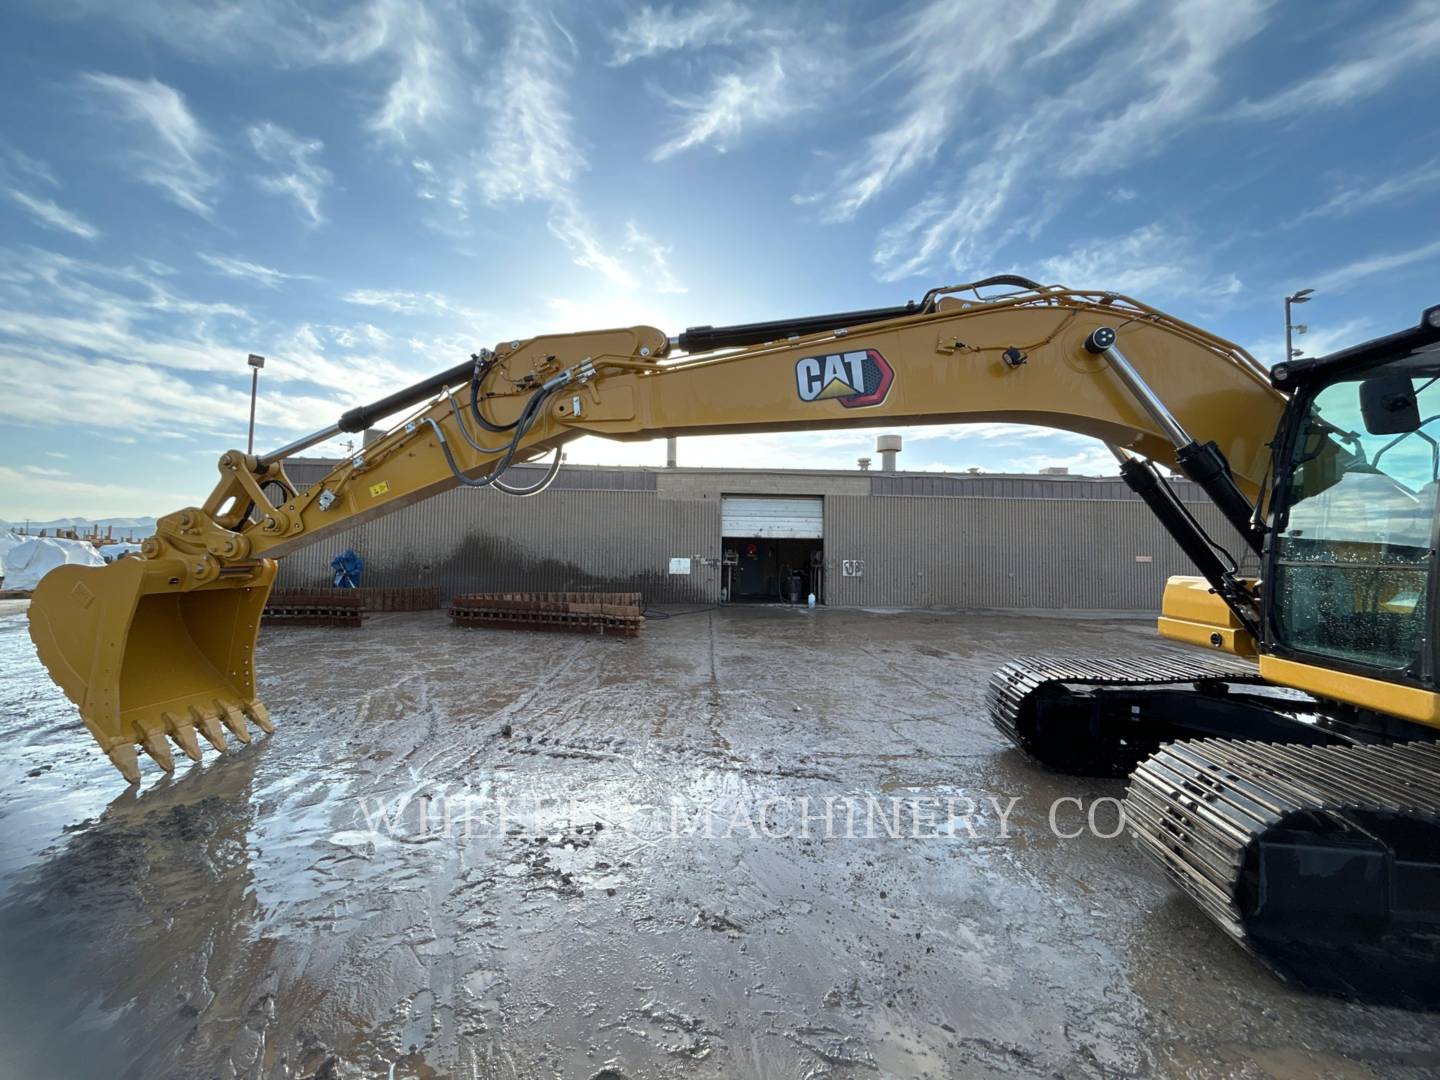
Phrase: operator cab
(1351, 561)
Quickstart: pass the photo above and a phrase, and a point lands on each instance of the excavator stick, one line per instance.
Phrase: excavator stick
(149, 663)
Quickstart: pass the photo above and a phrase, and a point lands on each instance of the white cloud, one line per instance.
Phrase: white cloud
(426, 80)
(115, 348)
(650, 31)
(1017, 161)
(79, 498)
(1368, 196)
(173, 148)
(351, 337)
(409, 303)
(1381, 56)
(479, 120)
(1150, 264)
(660, 277)
(13, 159)
(48, 214)
(299, 176)
(775, 86)
(530, 152)
(1178, 69)
(240, 268)
(1351, 274)
(423, 49)
(941, 86)
(572, 227)
(405, 303)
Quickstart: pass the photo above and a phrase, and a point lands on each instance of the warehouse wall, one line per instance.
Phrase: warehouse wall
(925, 541)
(969, 552)
(592, 530)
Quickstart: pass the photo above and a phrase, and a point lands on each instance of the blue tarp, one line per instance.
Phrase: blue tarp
(347, 567)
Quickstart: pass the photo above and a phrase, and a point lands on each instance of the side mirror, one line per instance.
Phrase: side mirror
(1388, 406)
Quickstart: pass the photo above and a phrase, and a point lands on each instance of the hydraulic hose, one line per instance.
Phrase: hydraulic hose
(483, 369)
(526, 492)
(522, 425)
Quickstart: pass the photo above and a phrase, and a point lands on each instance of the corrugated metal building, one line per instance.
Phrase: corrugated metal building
(887, 539)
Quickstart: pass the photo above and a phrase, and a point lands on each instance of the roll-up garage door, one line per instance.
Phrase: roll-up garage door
(777, 516)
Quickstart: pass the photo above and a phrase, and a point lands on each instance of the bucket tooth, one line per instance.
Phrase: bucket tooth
(184, 737)
(233, 719)
(209, 725)
(261, 716)
(182, 734)
(124, 758)
(155, 746)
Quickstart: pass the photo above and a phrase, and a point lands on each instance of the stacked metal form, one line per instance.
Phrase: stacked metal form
(617, 614)
(413, 598)
(343, 607)
(313, 607)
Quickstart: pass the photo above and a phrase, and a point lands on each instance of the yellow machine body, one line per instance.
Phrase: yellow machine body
(1192, 613)
(1406, 702)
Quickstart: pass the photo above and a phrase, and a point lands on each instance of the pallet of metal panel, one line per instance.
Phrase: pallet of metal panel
(575, 612)
(313, 607)
(553, 622)
(400, 598)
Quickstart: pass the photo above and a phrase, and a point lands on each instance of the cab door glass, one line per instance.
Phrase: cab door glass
(1353, 555)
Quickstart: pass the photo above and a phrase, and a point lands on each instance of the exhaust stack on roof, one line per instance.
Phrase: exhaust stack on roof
(887, 446)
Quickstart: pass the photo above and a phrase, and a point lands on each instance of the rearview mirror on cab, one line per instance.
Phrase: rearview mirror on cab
(1388, 406)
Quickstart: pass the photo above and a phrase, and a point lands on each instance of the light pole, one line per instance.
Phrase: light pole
(1301, 296)
(257, 362)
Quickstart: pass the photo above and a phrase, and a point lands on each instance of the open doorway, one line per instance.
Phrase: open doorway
(773, 548)
(773, 571)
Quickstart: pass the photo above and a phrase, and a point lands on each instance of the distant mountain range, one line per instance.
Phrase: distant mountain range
(139, 527)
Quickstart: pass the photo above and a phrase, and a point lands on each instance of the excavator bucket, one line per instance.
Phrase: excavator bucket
(147, 661)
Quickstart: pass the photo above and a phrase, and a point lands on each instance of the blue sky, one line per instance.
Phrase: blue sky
(365, 193)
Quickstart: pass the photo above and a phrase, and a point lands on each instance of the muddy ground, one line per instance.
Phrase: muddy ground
(638, 880)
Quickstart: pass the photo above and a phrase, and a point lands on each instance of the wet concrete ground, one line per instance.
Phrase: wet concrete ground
(639, 880)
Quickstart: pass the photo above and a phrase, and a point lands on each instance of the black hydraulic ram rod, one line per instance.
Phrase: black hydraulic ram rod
(1140, 476)
(705, 338)
(1201, 462)
(362, 416)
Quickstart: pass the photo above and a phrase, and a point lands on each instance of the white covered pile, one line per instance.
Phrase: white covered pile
(35, 556)
(8, 541)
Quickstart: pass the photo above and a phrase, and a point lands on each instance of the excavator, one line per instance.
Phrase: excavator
(1281, 752)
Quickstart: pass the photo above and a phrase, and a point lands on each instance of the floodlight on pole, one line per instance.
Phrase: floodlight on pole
(1300, 296)
(256, 363)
